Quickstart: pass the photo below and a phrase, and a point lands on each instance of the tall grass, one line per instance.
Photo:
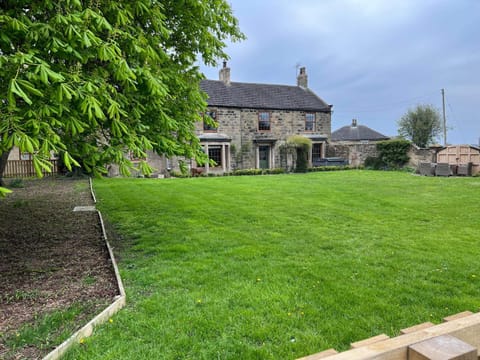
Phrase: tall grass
(278, 267)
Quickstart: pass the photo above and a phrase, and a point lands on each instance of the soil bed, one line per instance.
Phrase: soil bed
(55, 273)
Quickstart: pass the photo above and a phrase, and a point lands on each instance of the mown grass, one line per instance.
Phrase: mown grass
(278, 267)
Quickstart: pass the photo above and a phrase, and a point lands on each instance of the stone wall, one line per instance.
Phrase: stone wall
(355, 152)
(418, 155)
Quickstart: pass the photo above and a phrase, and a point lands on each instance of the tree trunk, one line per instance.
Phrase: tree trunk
(3, 165)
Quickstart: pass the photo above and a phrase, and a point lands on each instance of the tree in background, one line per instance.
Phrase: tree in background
(421, 125)
(91, 80)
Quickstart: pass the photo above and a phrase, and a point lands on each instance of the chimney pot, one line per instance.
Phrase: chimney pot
(354, 122)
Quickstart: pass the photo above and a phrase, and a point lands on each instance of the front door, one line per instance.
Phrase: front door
(264, 157)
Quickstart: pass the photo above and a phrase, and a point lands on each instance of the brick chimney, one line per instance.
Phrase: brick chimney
(302, 78)
(224, 74)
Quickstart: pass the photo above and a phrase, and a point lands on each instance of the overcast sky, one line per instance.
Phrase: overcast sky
(371, 59)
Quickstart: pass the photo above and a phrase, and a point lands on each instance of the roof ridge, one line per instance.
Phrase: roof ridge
(255, 83)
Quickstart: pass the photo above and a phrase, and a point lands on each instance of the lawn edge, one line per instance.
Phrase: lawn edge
(106, 314)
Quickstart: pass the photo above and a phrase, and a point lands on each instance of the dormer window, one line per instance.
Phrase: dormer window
(309, 121)
(264, 121)
(210, 121)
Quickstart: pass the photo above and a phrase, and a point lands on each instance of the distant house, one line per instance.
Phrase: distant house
(253, 121)
(355, 142)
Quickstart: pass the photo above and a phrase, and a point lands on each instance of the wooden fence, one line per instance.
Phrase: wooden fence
(25, 168)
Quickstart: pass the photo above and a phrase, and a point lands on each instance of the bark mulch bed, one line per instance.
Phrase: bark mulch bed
(53, 265)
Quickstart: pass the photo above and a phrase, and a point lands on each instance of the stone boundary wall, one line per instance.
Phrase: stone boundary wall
(354, 152)
(419, 155)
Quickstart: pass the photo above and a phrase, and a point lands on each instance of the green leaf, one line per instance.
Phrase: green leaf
(74, 126)
(145, 168)
(124, 169)
(28, 86)
(18, 25)
(16, 89)
(119, 128)
(41, 165)
(92, 107)
(47, 74)
(64, 91)
(27, 145)
(86, 40)
(68, 160)
(4, 191)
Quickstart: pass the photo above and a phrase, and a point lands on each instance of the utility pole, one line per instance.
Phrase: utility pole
(444, 120)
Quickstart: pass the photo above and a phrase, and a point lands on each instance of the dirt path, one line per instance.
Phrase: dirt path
(51, 258)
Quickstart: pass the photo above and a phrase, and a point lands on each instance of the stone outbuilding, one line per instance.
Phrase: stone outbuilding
(355, 143)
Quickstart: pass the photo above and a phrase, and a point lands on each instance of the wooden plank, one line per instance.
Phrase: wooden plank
(369, 341)
(25, 168)
(457, 316)
(444, 347)
(321, 355)
(466, 329)
(416, 327)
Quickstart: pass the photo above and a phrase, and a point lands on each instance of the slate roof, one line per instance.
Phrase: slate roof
(357, 133)
(262, 96)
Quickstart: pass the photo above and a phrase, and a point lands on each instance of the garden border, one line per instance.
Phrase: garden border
(120, 300)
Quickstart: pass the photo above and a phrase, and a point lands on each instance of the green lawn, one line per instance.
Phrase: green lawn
(278, 267)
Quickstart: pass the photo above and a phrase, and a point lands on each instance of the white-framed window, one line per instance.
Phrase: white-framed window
(309, 121)
(264, 121)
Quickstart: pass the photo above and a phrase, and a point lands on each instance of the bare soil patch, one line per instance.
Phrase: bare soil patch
(51, 259)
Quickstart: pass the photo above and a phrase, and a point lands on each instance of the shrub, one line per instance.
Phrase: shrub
(275, 171)
(374, 163)
(247, 172)
(302, 146)
(178, 174)
(393, 153)
(332, 168)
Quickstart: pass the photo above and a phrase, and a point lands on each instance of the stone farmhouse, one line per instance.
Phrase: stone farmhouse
(253, 122)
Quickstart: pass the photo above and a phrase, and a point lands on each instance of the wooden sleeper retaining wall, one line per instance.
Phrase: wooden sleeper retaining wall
(458, 337)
